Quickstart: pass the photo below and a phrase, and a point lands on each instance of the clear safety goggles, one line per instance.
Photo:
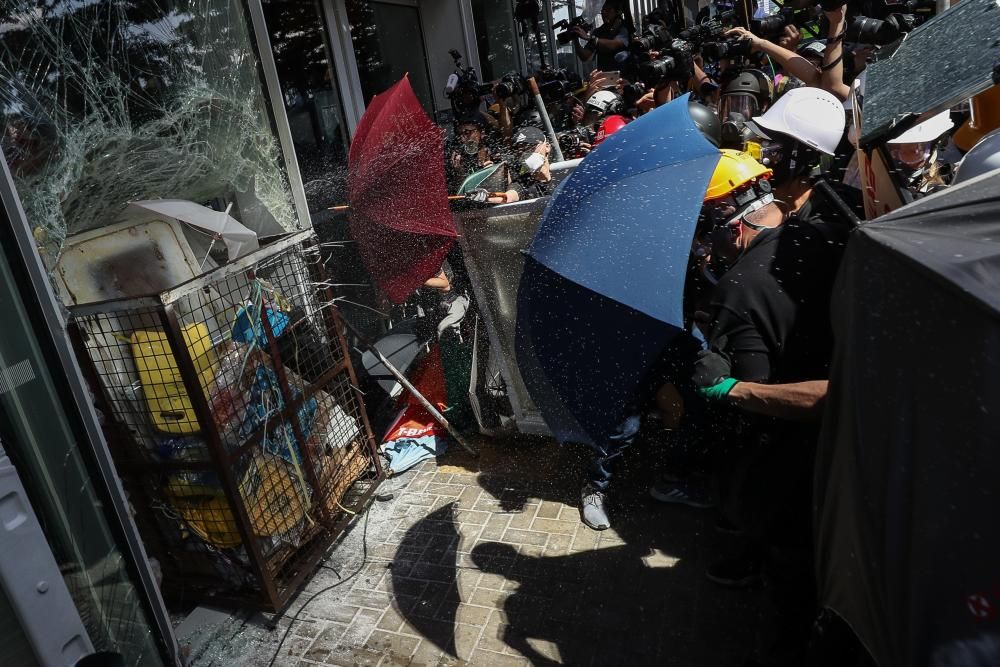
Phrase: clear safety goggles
(745, 105)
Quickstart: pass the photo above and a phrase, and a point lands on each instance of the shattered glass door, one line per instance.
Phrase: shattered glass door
(312, 99)
(107, 101)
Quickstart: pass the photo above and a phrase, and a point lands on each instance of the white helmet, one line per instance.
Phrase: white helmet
(605, 102)
(809, 115)
(981, 158)
(929, 130)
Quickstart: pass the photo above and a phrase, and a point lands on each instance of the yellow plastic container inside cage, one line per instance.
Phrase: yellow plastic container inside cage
(272, 499)
(166, 398)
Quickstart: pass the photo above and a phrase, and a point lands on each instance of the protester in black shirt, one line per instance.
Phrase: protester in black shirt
(769, 352)
(529, 170)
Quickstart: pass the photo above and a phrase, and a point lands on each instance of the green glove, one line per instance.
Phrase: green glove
(718, 391)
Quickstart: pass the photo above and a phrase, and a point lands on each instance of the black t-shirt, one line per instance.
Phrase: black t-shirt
(606, 61)
(771, 309)
(529, 188)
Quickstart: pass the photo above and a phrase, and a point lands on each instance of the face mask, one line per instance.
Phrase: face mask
(470, 147)
(533, 163)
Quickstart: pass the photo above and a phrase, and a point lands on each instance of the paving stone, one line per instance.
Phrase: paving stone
(548, 510)
(364, 623)
(472, 615)
(493, 581)
(348, 656)
(494, 635)
(391, 620)
(368, 599)
(523, 519)
(392, 643)
(442, 477)
(515, 536)
(308, 627)
(471, 517)
(495, 527)
(426, 655)
(450, 490)
(432, 572)
(328, 638)
(419, 499)
(558, 545)
(554, 526)
(469, 498)
(585, 539)
(483, 658)
(467, 580)
(293, 649)
(466, 638)
(485, 597)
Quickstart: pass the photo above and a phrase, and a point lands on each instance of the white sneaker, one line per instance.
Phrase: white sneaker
(592, 508)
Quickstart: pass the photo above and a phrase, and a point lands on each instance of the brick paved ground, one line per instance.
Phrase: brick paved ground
(485, 562)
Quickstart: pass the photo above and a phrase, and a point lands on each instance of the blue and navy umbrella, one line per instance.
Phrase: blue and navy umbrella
(602, 291)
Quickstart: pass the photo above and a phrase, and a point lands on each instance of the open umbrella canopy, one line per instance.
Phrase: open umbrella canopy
(397, 193)
(602, 291)
(239, 240)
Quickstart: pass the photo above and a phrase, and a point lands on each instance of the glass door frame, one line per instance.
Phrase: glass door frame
(49, 326)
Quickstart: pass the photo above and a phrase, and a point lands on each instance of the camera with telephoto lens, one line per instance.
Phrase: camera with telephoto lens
(463, 88)
(866, 30)
(654, 38)
(570, 142)
(567, 25)
(675, 63)
(772, 26)
(731, 47)
(556, 84)
(510, 84)
(712, 30)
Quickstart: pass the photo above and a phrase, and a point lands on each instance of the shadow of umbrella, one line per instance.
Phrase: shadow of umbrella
(424, 578)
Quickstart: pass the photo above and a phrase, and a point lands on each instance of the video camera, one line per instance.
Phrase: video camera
(570, 140)
(556, 84)
(673, 60)
(772, 26)
(567, 25)
(463, 89)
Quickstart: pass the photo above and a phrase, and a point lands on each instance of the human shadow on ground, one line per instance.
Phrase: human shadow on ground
(424, 577)
(641, 599)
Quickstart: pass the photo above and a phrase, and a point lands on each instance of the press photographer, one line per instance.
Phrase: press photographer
(602, 43)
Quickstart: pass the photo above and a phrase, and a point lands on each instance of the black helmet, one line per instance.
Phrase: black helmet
(707, 121)
(745, 82)
(754, 83)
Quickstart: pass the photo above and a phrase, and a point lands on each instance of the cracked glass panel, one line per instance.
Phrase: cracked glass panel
(109, 101)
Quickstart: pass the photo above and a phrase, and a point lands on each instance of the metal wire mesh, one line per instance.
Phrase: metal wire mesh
(234, 420)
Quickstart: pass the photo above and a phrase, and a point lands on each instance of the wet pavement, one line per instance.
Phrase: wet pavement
(485, 562)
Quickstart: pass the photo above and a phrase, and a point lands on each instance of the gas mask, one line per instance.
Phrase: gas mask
(470, 147)
(787, 159)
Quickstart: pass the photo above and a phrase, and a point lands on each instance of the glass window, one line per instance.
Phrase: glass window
(39, 438)
(565, 52)
(495, 38)
(312, 98)
(388, 43)
(107, 101)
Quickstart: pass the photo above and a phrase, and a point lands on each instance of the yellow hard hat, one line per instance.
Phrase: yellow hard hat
(985, 113)
(735, 169)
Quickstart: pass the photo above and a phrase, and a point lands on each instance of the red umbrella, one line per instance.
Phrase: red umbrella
(397, 193)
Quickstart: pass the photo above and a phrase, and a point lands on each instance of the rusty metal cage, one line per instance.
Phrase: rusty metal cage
(232, 411)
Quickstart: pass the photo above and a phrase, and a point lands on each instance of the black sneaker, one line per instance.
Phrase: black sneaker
(734, 572)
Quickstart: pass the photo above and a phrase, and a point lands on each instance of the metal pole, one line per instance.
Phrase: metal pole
(438, 417)
(540, 103)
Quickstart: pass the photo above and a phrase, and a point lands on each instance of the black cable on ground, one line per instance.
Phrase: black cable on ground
(364, 561)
